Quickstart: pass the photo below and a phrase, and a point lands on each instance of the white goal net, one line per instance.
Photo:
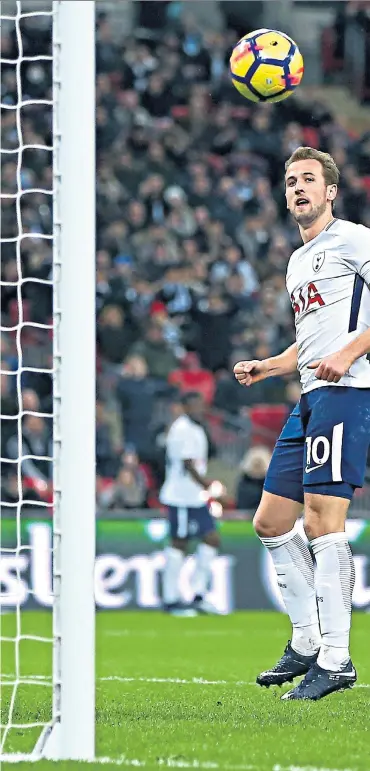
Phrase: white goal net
(47, 380)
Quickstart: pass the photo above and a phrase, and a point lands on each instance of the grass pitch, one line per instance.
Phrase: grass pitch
(180, 693)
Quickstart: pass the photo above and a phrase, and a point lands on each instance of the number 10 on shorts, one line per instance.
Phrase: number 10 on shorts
(320, 449)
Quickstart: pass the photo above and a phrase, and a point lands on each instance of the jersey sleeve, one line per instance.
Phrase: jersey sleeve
(359, 251)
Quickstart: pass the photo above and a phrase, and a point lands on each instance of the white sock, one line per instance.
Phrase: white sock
(171, 575)
(335, 578)
(204, 557)
(295, 571)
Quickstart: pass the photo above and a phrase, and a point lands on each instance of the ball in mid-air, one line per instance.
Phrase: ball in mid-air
(266, 66)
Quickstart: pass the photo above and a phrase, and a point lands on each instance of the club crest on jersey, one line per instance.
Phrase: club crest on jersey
(318, 261)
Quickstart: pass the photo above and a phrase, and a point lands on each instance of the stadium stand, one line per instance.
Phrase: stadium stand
(192, 243)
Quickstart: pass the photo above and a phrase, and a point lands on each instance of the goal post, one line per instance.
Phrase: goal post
(67, 731)
(74, 379)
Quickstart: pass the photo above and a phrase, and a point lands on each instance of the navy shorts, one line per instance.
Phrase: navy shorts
(186, 522)
(323, 446)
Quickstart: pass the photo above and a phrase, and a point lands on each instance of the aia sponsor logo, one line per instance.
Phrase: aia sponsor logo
(304, 298)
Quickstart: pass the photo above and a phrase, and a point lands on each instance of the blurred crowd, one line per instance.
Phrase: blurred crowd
(345, 47)
(193, 239)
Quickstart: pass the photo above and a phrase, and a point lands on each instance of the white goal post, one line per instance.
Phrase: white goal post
(71, 733)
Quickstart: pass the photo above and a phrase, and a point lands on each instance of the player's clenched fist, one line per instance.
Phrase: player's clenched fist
(249, 372)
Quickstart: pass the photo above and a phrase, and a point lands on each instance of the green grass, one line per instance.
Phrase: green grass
(228, 724)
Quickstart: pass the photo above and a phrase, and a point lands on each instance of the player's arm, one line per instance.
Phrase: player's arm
(194, 473)
(214, 489)
(249, 372)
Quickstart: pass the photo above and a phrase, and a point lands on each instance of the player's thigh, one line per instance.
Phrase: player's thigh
(336, 448)
(337, 441)
(323, 513)
(282, 497)
(203, 526)
(178, 517)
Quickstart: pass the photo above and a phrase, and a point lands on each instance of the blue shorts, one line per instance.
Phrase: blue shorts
(188, 522)
(323, 446)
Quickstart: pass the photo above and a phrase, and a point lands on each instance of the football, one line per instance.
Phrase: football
(266, 66)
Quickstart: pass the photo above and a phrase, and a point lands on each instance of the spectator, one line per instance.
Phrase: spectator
(154, 349)
(30, 401)
(193, 236)
(11, 493)
(250, 484)
(116, 334)
(127, 492)
(136, 395)
(192, 377)
(9, 408)
(232, 262)
(106, 458)
(171, 330)
(213, 318)
(36, 449)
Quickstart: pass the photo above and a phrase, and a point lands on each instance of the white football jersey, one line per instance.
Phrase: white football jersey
(186, 440)
(328, 282)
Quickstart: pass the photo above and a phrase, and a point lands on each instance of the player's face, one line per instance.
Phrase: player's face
(196, 409)
(307, 194)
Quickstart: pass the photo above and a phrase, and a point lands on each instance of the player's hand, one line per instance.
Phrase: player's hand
(331, 368)
(249, 372)
(217, 490)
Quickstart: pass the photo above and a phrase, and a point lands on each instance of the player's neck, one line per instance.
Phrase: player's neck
(307, 234)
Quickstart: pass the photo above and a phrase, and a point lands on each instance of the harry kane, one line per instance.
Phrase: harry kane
(320, 457)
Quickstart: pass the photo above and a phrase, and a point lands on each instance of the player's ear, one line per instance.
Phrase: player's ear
(332, 192)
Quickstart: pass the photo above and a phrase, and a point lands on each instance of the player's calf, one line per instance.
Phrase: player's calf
(334, 575)
(294, 568)
(205, 554)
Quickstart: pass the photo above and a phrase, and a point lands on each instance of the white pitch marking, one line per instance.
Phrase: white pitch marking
(307, 768)
(170, 763)
(175, 680)
(192, 681)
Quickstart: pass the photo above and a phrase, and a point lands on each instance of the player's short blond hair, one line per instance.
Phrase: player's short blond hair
(329, 167)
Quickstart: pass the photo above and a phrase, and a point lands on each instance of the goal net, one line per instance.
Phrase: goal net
(47, 379)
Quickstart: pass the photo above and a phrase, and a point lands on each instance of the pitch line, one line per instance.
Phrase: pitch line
(170, 763)
(175, 680)
(159, 680)
(192, 681)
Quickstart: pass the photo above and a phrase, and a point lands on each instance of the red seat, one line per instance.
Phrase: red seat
(267, 421)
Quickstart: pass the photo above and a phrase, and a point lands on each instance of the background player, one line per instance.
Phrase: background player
(319, 458)
(184, 492)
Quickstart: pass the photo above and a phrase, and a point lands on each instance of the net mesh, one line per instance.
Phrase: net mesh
(26, 365)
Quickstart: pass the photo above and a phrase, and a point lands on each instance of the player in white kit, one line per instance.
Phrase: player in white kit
(184, 492)
(320, 456)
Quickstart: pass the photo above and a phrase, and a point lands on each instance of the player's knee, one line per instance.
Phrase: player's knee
(179, 543)
(212, 539)
(264, 525)
(310, 527)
